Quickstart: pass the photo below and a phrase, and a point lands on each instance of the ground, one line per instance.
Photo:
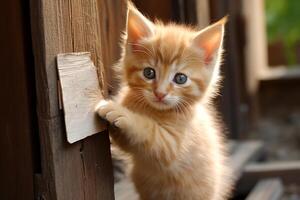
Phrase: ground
(280, 131)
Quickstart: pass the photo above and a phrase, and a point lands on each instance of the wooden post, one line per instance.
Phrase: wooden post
(17, 104)
(256, 53)
(230, 101)
(203, 15)
(82, 170)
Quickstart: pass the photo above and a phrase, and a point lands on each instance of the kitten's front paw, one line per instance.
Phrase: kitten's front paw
(113, 112)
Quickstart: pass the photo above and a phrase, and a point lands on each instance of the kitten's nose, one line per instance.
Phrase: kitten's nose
(160, 95)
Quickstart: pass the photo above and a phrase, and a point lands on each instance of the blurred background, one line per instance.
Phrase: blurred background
(259, 101)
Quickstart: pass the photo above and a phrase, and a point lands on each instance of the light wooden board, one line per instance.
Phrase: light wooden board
(203, 15)
(80, 93)
(288, 171)
(268, 189)
(243, 153)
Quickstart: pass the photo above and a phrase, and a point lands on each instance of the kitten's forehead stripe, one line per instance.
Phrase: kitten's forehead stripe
(177, 55)
(168, 49)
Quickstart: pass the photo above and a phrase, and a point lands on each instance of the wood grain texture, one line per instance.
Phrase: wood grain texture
(82, 170)
(80, 94)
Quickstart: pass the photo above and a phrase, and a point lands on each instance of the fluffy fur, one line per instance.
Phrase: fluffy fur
(170, 129)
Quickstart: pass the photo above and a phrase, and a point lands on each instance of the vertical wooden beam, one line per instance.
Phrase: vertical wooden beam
(82, 170)
(256, 46)
(16, 103)
(255, 50)
(162, 12)
(203, 14)
(230, 100)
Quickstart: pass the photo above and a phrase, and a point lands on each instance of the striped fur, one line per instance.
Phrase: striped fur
(176, 145)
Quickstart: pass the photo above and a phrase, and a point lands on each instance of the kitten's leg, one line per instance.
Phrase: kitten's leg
(140, 130)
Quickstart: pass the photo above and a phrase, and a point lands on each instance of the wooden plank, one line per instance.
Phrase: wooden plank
(80, 94)
(270, 189)
(288, 171)
(203, 15)
(281, 73)
(256, 53)
(17, 104)
(112, 17)
(231, 146)
(256, 46)
(82, 170)
(243, 153)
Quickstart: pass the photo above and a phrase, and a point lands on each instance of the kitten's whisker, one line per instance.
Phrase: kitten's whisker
(185, 107)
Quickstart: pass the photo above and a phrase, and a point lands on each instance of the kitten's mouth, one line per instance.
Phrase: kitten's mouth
(160, 101)
(160, 104)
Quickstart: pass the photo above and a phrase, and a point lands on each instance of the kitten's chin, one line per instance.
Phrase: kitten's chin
(160, 105)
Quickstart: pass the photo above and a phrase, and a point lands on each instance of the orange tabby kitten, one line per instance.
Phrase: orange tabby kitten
(169, 73)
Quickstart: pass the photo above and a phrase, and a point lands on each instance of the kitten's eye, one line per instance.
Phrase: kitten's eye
(180, 78)
(149, 73)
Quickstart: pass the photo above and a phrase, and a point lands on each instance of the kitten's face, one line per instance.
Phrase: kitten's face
(165, 66)
(167, 75)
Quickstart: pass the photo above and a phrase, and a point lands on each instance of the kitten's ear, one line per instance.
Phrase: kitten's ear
(138, 26)
(209, 40)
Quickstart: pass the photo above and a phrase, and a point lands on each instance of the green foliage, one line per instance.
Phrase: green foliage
(283, 23)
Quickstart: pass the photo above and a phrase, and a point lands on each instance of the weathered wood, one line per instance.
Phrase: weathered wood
(202, 11)
(256, 46)
(288, 171)
(17, 104)
(112, 23)
(256, 63)
(270, 189)
(280, 72)
(232, 88)
(82, 170)
(243, 153)
(80, 94)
